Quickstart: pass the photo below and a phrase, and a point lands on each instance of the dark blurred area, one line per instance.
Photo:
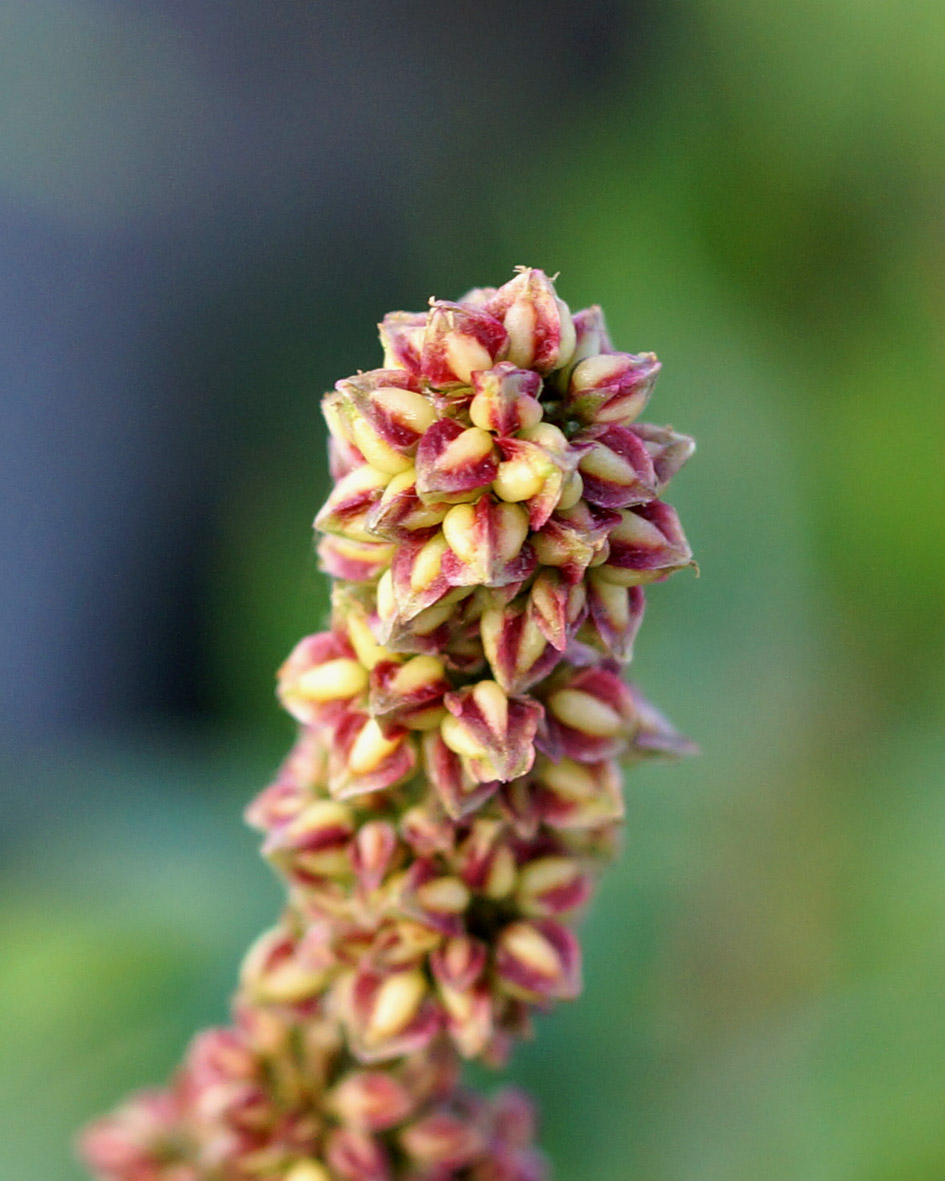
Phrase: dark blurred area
(205, 208)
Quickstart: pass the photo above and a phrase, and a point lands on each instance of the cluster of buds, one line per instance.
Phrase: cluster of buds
(495, 518)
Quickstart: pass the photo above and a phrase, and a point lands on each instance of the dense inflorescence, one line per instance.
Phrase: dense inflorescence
(495, 517)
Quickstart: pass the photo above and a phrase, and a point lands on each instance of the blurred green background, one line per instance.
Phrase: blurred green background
(755, 193)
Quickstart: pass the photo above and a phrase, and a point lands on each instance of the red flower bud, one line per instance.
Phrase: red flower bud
(611, 387)
(668, 450)
(506, 399)
(539, 960)
(454, 463)
(457, 341)
(616, 469)
(589, 716)
(491, 732)
(646, 546)
(541, 334)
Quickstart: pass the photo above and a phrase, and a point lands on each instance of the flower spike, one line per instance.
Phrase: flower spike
(453, 791)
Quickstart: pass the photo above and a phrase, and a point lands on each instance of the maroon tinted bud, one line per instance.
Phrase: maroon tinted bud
(487, 544)
(454, 462)
(506, 399)
(401, 336)
(646, 546)
(459, 340)
(370, 1100)
(616, 469)
(611, 388)
(539, 960)
(557, 606)
(388, 1014)
(656, 736)
(409, 693)
(575, 538)
(373, 852)
(517, 649)
(668, 450)
(491, 732)
(589, 716)
(541, 334)
(616, 612)
(365, 759)
(400, 515)
(357, 1156)
(354, 561)
(442, 1140)
(459, 792)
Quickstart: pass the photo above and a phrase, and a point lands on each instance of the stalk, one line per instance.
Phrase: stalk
(454, 788)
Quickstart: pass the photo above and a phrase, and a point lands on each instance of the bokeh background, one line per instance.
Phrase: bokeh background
(205, 208)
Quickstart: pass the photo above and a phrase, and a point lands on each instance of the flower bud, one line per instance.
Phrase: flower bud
(470, 1018)
(656, 736)
(401, 336)
(314, 843)
(409, 694)
(348, 507)
(538, 960)
(356, 1156)
(506, 399)
(455, 463)
(276, 971)
(616, 612)
(575, 538)
(589, 716)
(354, 614)
(611, 387)
(533, 475)
(515, 646)
(457, 341)
(485, 859)
(459, 962)
(364, 759)
(557, 607)
(320, 678)
(442, 1140)
(417, 581)
(373, 852)
(141, 1141)
(590, 338)
(616, 469)
(354, 561)
(578, 796)
(434, 898)
(424, 826)
(487, 544)
(550, 886)
(541, 334)
(384, 414)
(492, 733)
(458, 792)
(646, 546)
(513, 1117)
(667, 449)
(400, 514)
(371, 1100)
(388, 1014)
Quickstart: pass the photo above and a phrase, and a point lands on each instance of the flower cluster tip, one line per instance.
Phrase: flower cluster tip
(496, 515)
